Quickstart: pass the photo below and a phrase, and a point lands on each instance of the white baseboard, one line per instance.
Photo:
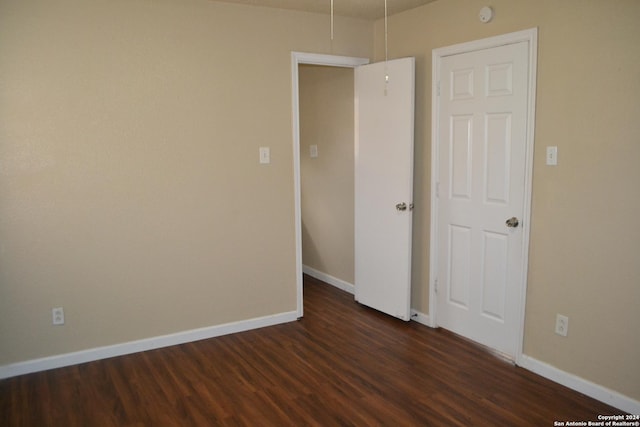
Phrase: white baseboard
(327, 278)
(98, 353)
(598, 392)
(421, 318)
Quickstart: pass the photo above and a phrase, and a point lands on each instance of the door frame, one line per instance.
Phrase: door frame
(530, 36)
(298, 58)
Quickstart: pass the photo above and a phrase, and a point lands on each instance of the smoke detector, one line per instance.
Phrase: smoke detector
(486, 14)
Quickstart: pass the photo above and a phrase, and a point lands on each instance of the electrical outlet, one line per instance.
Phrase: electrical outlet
(562, 325)
(57, 315)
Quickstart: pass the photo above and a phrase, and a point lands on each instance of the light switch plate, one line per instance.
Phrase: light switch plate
(265, 155)
(552, 156)
(313, 151)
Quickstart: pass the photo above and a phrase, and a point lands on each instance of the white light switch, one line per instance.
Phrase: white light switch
(265, 155)
(552, 156)
(313, 151)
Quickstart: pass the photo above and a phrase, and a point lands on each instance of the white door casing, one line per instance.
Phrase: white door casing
(384, 185)
(481, 176)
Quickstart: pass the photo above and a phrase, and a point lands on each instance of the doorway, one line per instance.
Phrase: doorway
(327, 173)
(384, 112)
(297, 59)
(482, 160)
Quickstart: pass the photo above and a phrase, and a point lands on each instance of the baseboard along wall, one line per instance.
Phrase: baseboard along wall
(90, 355)
(596, 391)
(574, 382)
(329, 279)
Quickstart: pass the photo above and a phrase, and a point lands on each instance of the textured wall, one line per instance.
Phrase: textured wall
(130, 188)
(327, 120)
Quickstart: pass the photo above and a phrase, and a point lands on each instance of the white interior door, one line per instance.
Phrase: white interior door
(481, 185)
(384, 185)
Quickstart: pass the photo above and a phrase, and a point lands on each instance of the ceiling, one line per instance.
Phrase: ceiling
(366, 9)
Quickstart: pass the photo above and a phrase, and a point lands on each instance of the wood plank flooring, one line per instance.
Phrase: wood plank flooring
(341, 365)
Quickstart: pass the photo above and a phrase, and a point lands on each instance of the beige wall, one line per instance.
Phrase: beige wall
(130, 188)
(327, 120)
(585, 234)
(130, 191)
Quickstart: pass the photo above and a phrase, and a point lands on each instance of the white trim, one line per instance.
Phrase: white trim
(574, 382)
(529, 36)
(488, 43)
(435, 156)
(298, 58)
(93, 354)
(328, 60)
(419, 317)
(329, 279)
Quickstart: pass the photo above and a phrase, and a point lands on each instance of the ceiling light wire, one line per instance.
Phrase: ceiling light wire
(386, 34)
(386, 49)
(332, 20)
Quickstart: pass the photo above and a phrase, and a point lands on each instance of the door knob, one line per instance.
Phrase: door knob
(401, 207)
(512, 222)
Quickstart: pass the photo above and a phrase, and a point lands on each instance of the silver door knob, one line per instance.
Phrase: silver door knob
(512, 222)
(401, 207)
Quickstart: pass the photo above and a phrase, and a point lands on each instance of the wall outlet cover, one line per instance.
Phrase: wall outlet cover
(57, 316)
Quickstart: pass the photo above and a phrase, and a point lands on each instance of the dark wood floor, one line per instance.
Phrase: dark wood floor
(343, 364)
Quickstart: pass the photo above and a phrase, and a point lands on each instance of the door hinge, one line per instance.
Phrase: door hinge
(437, 189)
(438, 87)
(435, 286)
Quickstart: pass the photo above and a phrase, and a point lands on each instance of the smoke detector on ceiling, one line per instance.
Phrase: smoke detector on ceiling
(486, 14)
